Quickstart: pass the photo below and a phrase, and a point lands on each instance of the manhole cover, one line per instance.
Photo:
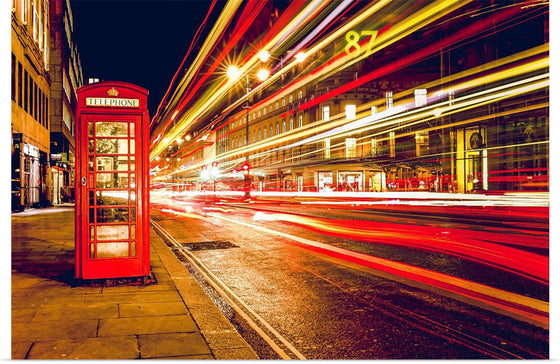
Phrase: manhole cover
(209, 245)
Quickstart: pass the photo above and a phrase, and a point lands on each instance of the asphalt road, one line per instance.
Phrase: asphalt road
(331, 307)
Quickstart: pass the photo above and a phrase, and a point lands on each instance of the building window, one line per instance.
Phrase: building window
(36, 21)
(259, 114)
(300, 121)
(31, 91)
(420, 97)
(350, 111)
(26, 91)
(20, 88)
(40, 106)
(264, 132)
(350, 148)
(277, 128)
(35, 101)
(283, 101)
(291, 123)
(300, 94)
(24, 11)
(271, 131)
(326, 112)
(422, 143)
(327, 148)
(47, 114)
(373, 147)
(45, 33)
(283, 126)
(260, 135)
(392, 144)
(291, 98)
(14, 74)
(389, 99)
(264, 111)
(276, 105)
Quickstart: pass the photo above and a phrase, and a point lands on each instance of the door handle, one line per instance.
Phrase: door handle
(84, 181)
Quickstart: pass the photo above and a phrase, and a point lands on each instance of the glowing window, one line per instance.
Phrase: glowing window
(350, 111)
(326, 112)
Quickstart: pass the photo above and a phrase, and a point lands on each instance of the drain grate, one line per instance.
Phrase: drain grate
(209, 245)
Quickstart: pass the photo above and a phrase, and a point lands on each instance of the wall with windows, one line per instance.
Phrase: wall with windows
(30, 98)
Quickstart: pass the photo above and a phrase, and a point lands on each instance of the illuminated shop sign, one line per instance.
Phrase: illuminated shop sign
(30, 150)
(104, 101)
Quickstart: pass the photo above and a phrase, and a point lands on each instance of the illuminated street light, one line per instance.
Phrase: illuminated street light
(263, 74)
(205, 173)
(214, 171)
(264, 55)
(233, 72)
(187, 137)
(300, 57)
(158, 158)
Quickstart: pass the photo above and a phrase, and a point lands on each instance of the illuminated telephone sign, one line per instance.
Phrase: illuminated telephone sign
(112, 181)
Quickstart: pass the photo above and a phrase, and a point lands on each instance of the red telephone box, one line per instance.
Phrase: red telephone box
(112, 181)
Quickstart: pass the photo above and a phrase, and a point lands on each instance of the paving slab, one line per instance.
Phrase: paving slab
(59, 311)
(146, 325)
(133, 297)
(48, 330)
(120, 347)
(176, 344)
(152, 309)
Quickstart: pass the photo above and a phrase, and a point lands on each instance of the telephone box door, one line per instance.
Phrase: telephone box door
(111, 208)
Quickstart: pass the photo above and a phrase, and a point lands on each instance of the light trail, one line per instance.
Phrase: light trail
(215, 94)
(468, 244)
(393, 116)
(518, 306)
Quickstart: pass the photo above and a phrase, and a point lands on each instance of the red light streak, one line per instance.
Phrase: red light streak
(473, 245)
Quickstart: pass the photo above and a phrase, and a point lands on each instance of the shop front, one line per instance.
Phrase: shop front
(350, 181)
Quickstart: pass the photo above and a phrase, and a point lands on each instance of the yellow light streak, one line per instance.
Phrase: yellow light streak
(436, 10)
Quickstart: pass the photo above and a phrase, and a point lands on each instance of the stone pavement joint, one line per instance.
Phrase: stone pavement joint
(55, 317)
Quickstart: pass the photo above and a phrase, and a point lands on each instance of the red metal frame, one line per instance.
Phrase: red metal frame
(112, 205)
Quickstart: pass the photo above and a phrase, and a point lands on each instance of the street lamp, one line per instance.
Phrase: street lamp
(263, 55)
(263, 74)
(233, 72)
(300, 57)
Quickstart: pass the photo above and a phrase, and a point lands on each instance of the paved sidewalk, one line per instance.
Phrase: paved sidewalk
(53, 318)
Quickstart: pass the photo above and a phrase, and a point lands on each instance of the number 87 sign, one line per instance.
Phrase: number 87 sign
(353, 41)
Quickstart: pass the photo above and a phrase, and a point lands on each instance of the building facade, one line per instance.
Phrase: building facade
(30, 99)
(66, 75)
(459, 106)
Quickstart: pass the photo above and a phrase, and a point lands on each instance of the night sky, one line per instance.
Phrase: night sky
(138, 41)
